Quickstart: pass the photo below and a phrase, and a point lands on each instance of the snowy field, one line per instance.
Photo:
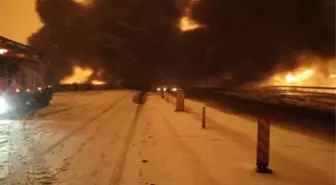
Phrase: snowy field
(104, 138)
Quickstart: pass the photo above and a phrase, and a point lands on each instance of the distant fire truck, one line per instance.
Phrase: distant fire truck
(22, 77)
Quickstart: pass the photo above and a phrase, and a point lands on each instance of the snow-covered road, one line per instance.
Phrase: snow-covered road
(104, 138)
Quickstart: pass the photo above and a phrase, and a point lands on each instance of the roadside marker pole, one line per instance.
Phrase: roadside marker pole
(263, 144)
(162, 94)
(180, 102)
(203, 117)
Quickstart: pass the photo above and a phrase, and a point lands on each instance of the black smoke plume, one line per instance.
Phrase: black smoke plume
(138, 40)
(250, 38)
(131, 39)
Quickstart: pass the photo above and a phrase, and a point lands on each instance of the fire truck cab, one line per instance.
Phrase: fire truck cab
(22, 77)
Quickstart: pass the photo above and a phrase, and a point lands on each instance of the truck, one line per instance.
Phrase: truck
(23, 73)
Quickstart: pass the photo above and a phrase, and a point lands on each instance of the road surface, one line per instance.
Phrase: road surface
(104, 138)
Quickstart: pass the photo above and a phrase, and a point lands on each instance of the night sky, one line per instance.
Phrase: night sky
(18, 19)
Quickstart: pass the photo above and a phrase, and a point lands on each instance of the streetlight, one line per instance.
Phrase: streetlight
(207, 54)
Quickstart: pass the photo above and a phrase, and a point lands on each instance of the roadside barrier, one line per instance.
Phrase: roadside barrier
(263, 145)
(203, 117)
(180, 101)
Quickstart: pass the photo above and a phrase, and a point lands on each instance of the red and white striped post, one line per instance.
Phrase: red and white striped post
(180, 101)
(263, 145)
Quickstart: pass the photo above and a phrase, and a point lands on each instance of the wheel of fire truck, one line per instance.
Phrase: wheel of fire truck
(42, 99)
(49, 91)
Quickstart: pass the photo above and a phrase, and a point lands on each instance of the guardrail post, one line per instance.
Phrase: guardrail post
(263, 145)
(203, 117)
(162, 93)
(180, 101)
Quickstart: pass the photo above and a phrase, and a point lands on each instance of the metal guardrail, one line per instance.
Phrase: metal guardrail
(313, 97)
(83, 87)
(289, 90)
(303, 89)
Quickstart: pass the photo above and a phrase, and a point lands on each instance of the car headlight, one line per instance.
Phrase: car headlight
(174, 89)
(158, 89)
(3, 105)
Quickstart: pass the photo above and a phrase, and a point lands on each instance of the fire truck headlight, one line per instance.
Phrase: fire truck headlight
(3, 105)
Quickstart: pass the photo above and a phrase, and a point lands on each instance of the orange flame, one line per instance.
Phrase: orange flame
(307, 77)
(186, 22)
(98, 82)
(313, 71)
(83, 2)
(81, 76)
(298, 77)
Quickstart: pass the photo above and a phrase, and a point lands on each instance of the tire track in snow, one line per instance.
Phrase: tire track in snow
(23, 168)
(57, 111)
(194, 162)
(41, 115)
(90, 141)
(119, 168)
(91, 137)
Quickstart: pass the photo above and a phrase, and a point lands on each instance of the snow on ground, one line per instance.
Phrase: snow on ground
(292, 154)
(104, 138)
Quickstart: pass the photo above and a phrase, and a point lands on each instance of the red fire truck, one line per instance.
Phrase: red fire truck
(22, 77)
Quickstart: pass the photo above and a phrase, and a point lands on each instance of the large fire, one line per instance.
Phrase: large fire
(294, 78)
(81, 76)
(83, 2)
(98, 82)
(314, 71)
(186, 22)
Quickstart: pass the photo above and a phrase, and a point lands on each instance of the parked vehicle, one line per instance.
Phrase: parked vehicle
(22, 77)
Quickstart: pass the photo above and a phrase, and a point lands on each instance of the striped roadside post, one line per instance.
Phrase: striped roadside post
(180, 101)
(263, 144)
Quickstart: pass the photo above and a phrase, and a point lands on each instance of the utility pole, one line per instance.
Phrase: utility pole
(207, 55)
